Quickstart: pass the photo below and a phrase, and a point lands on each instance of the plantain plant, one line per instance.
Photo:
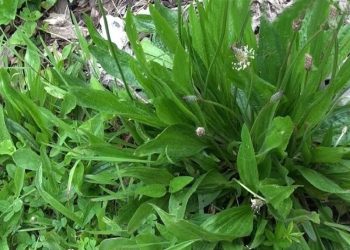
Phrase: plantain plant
(210, 137)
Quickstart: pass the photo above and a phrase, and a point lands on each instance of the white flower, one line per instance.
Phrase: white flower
(256, 204)
(200, 131)
(243, 56)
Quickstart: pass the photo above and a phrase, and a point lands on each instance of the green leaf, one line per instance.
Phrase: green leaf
(147, 175)
(345, 236)
(278, 135)
(110, 66)
(276, 194)
(176, 142)
(342, 77)
(25, 158)
(52, 201)
(262, 122)
(215, 181)
(68, 104)
(155, 54)
(20, 132)
(165, 31)
(4, 134)
(236, 221)
(147, 242)
(140, 216)
(55, 91)
(7, 147)
(178, 183)
(168, 112)
(8, 10)
(19, 180)
(184, 230)
(330, 154)
(152, 190)
(181, 72)
(118, 244)
(320, 181)
(23, 33)
(105, 101)
(104, 152)
(150, 241)
(319, 108)
(240, 20)
(232, 245)
(275, 38)
(21, 102)
(182, 245)
(302, 215)
(133, 37)
(178, 201)
(259, 235)
(246, 162)
(3, 243)
(47, 4)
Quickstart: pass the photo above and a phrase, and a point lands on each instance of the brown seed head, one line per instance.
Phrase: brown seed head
(308, 62)
(332, 18)
(296, 24)
(333, 12)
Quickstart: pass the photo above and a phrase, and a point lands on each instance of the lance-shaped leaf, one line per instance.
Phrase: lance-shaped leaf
(246, 162)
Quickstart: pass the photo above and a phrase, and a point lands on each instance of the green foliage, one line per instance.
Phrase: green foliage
(228, 141)
(7, 11)
(246, 162)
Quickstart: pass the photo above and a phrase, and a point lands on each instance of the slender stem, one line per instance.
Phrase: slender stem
(249, 190)
(288, 72)
(286, 59)
(179, 19)
(336, 50)
(246, 116)
(304, 84)
(220, 106)
(246, 19)
(112, 49)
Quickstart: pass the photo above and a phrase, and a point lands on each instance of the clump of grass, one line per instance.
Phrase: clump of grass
(218, 139)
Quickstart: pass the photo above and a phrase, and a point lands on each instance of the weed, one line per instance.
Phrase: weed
(217, 138)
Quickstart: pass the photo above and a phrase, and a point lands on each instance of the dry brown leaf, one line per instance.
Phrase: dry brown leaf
(60, 26)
